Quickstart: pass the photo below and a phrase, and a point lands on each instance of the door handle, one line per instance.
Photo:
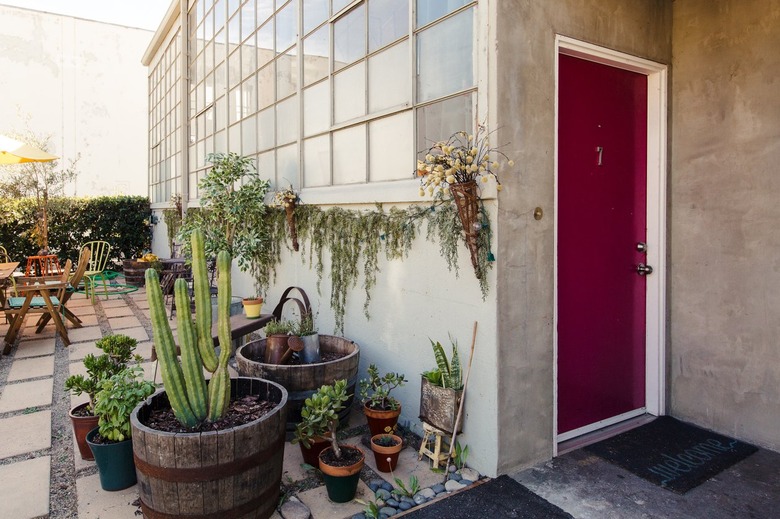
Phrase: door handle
(644, 270)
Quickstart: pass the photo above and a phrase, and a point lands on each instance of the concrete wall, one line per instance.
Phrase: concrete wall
(725, 237)
(523, 101)
(81, 82)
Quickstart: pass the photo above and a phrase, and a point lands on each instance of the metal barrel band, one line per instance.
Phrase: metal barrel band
(233, 513)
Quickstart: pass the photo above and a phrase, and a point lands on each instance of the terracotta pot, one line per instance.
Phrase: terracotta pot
(380, 421)
(382, 454)
(311, 455)
(341, 482)
(81, 426)
(252, 307)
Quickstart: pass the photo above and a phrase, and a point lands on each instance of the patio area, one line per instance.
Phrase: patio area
(44, 476)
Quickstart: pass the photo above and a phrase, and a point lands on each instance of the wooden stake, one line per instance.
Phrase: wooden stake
(462, 400)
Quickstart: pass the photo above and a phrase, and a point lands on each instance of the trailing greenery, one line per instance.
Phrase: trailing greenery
(447, 374)
(123, 221)
(352, 241)
(173, 219)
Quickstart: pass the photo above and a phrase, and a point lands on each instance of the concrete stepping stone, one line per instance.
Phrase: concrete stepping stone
(34, 348)
(23, 369)
(119, 311)
(119, 323)
(137, 333)
(96, 503)
(25, 433)
(112, 302)
(25, 489)
(323, 508)
(80, 350)
(25, 395)
(88, 333)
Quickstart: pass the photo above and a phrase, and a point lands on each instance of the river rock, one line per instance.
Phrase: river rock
(383, 494)
(387, 486)
(454, 476)
(453, 485)
(419, 499)
(427, 493)
(294, 510)
(470, 474)
(438, 488)
(392, 502)
(389, 512)
(375, 484)
(404, 505)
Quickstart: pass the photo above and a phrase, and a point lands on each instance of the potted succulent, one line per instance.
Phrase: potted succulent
(277, 347)
(386, 448)
(226, 431)
(340, 464)
(310, 432)
(306, 338)
(381, 410)
(117, 352)
(252, 306)
(441, 390)
(110, 440)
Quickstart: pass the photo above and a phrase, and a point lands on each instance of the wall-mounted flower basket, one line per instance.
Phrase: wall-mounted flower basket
(466, 199)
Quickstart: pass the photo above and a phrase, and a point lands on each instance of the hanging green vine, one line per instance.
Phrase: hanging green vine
(173, 219)
(353, 241)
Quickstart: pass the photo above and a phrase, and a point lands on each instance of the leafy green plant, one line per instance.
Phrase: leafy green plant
(231, 217)
(460, 455)
(319, 415)
(375, 390)
(184, 382)
(448, 374)
(117, 353)
(371, 508)
(304, 327)
(173, 218)
(118, 396)
(402, 490)
(282, 327)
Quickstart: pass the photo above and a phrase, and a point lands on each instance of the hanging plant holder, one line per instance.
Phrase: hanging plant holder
(466, 199)
(289, 210)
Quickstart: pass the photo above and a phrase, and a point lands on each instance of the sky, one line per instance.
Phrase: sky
(146, 14)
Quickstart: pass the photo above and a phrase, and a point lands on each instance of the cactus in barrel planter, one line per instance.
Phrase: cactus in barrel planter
(192, 402)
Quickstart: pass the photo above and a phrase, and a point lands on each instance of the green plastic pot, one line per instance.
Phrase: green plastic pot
(114, 462)
(341, 482)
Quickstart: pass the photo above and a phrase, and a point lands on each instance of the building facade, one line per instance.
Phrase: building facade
(336, 98)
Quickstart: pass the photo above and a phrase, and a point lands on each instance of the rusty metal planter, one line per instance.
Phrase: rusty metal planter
(439, 406)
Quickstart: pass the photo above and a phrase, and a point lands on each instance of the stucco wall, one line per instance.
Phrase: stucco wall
(523, 94)
(725, 237)
(81, 82)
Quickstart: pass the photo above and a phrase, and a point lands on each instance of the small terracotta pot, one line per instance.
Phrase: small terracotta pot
(382, 454)
(311, 455)
(81, 426)
(252, 307)
(380, 421)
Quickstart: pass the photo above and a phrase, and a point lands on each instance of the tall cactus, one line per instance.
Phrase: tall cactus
(184, 382)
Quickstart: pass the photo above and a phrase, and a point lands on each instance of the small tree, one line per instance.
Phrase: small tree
(39, 180)
(232, 210)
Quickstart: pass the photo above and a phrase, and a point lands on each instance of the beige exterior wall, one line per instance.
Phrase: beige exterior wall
(524, 107)
(724, 240)
(81, 82)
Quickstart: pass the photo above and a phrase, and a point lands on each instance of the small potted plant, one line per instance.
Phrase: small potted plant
(381, 410)
(309, 347)
(386, 448)
(310, 432)
(252, 306)
(110, 440)
(117, 353)
(340, 464)
(441, 390)
(277, 348)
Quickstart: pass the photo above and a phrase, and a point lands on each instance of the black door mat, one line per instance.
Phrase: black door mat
(672, 454)
(498, 498)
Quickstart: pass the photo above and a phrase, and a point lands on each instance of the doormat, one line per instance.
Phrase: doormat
(672, 454)
(500, 497)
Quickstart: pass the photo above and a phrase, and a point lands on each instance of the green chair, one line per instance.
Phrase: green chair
(101, 251)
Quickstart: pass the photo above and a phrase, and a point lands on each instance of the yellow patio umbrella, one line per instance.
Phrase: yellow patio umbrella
(16, 152)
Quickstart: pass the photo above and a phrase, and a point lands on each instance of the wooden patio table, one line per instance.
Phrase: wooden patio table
(43, 290)
(6, 271)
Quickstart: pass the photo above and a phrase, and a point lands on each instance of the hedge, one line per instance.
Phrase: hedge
(122, 221)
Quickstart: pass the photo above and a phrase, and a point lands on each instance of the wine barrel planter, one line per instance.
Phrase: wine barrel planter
(302, 380)
(134, 272)
(228, 474)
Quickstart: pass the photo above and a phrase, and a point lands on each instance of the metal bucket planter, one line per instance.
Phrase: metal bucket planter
(229, 473)
(302, 380)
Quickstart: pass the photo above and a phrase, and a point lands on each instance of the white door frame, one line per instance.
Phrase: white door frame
(655, 385)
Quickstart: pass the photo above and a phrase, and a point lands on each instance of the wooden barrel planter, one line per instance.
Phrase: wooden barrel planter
(302, 380)
(134, 272)
(228, 474)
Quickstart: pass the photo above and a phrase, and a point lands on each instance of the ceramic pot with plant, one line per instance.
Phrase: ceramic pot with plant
(386, 449)
(381, 410)
(306, 338)
(110, 440)
(316, 417)
(252, 306)
(340, 464)
(257, 407)
(117, 353)
(441, 390)
(277, 347)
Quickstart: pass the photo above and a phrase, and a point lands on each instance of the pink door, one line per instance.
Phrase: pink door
(602, 168)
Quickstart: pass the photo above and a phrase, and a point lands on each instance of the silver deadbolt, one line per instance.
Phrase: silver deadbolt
(644, 270)
(641, 246)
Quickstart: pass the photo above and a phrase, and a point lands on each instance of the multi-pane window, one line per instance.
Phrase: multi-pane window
(323, 92)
